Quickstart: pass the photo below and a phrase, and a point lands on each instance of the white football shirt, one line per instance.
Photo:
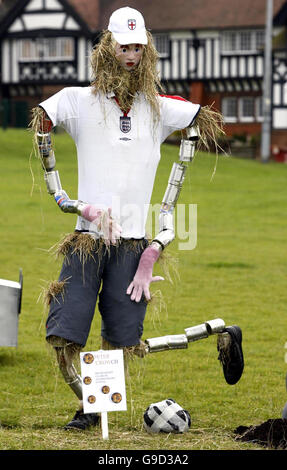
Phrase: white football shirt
(118, 154)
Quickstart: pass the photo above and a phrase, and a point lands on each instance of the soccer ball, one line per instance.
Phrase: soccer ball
(166, 416)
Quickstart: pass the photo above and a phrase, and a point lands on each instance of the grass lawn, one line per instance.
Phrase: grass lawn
(236, 272)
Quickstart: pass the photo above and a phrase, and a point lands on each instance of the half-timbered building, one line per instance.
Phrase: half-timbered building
(210, 52)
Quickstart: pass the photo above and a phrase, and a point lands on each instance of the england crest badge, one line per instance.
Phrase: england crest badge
(125, 124)
(132, 24)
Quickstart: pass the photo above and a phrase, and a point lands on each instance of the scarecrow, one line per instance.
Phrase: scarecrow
(118, 124)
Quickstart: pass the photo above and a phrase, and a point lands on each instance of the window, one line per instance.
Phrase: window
(246, 108)
(242, 41)
(245, 41)
(242, 108)
(46, 49)
(260, 39)
(26, 49)
(162, 45)
(229, 109)
(229, 42)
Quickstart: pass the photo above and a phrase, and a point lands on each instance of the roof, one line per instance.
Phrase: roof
(169, 15)
(5, 7)
(195, 14)
(88, 10)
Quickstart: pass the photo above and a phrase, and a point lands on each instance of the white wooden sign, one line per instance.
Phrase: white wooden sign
(103, 379)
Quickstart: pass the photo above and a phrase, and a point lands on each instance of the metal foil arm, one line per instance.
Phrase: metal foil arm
(52, 177)
(166, 224)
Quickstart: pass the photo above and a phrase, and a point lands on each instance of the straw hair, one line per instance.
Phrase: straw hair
(110, 76)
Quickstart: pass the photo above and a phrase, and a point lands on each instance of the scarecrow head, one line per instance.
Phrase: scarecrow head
(125, 60)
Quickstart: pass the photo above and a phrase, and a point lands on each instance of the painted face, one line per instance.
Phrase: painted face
(129, 55)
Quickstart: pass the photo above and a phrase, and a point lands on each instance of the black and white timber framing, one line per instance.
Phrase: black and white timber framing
(192, 56)
(194, 59)
(279, 99)
(40, 20)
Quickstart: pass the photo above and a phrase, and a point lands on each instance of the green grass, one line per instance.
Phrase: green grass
(236, 272)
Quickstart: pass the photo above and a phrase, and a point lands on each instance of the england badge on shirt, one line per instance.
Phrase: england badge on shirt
(125, 124)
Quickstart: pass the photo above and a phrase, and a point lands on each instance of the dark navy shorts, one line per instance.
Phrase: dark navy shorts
(105, 278)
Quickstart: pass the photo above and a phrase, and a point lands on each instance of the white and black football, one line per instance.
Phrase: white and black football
(166, 416)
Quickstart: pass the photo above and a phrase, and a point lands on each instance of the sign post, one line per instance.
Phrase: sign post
(103, 380)
(104, 424)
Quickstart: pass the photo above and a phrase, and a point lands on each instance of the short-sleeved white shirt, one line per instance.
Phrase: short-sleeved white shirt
(117, 159)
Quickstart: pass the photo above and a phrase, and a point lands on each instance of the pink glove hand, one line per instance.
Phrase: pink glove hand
(143, 276)
(104, 221)
(91, 212)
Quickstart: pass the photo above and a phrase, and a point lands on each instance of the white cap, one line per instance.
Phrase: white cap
(128, 26)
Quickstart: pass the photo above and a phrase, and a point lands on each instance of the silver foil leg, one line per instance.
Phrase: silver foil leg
(194, 333)
(165, 343)
(69, 372)
(204, 330)
(215, 326)
(284, 412)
